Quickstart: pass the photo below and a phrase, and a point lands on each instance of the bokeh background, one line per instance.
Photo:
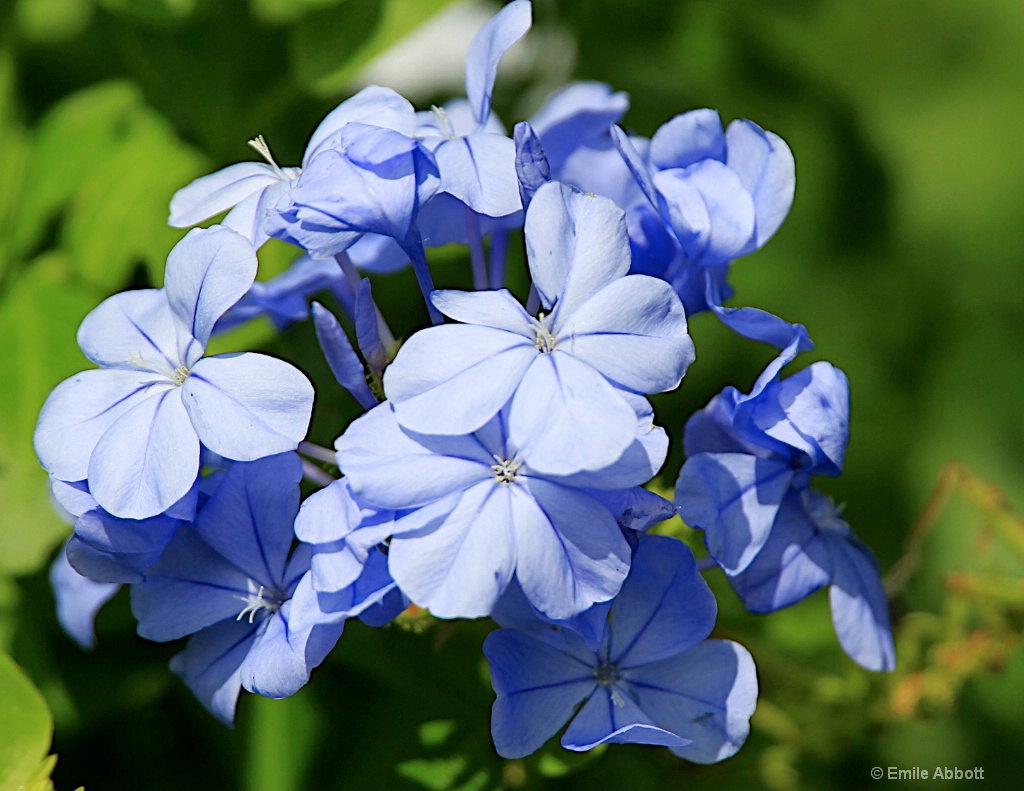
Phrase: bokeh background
(902, 255)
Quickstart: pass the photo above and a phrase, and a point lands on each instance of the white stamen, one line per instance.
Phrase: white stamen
(180, 375)
(444, 122)
(545, 341)
(259, 145)
(505, 470)
(263, 600)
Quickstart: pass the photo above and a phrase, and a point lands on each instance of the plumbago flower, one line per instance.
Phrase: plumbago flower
(228, 580)
(746, 484)
(652, 678)
(475, 157)
(709, 196)
(133, 428)
(481, 514)
(251, 190)
(563, 373)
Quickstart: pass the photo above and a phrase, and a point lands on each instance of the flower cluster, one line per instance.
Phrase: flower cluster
(498, 468)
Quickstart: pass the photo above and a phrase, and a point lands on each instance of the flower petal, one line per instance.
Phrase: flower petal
(132, 331)
(78, 412)
(860, 612)
(452, 379)
(147, 460)
(555, 409)
(765, 167)
(245, 406)
(571, 552)
(480, 170)
(538, 687)
(612, 717)
(634, 332)
(460, 568)
(217, 192)
(576, 243)
(210, 665)
(485, 51)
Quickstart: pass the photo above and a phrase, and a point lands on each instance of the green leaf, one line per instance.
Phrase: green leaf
(329, 47)
(25, 726)
(47, 21)
(117, 163)
(39, 316)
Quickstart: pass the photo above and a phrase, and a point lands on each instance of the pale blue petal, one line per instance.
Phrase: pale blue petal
(188, 589)
(480, 170)
(459, 569)
(860, 612)
(574, 115)
(78, 412)
(342, 359)
(634, 332)
(245, 406)
(210, 665)
(451, 379)
(610, 716)
(249, 518)
(296, 639)
(649, 620)
(706, 695)
(72, 496)
(688, 139)
(217, 192)
(735, 499)
(765, 167)
(377, 254)
(554, 411)
(147, 460)
(580, 636)
(374, 453)
(537, 686)
(207, 272)
(808, 412)
(635, 508)
(498, 309)
(485, 51)
(250, 215)
(118, 550)
(78, 600)
(576, 244)
(368, 327)
(132, 331)
(710, 212)
(636, 163)
(532, 169)
(373, 105)
(571, 552)
(793, 563)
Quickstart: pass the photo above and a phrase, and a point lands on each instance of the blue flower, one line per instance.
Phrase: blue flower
(746, 483)
(79, 599)
(255, 620)
(475, 157)
(563, 373)
(251, 190)
(133, 428)
(653, 677)
(481, 514)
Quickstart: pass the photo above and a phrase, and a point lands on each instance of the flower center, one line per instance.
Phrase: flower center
(263, 599)
(545, 341)
(180, 375)
(606, 673)
(505, 470)
(444, 122)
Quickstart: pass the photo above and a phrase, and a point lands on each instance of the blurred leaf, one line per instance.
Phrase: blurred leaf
(282, 11)
(52, 20)
(14, 155)
(330, 46)
(117, 163)
(152, 11)
(39, 316)
(25, 726)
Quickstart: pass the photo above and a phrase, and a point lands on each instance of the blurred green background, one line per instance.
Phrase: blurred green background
(902, 255)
